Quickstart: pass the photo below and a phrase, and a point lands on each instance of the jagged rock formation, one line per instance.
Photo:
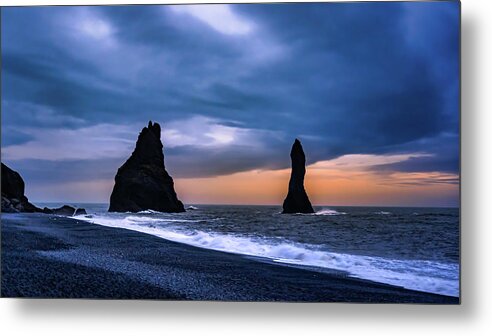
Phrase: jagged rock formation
(65, 210)
(142, 183)
(297, 200)
(14, 200)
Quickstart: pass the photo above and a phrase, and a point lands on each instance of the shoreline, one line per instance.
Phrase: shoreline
(59, 257)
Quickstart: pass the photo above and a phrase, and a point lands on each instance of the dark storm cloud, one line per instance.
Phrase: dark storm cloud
(188, 161)
(444, 149)
(16, 138)
(361, 82)
(372, 78)
(42, 171)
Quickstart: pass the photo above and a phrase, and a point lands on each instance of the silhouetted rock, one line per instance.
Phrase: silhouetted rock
(142, 183)
(80, 211)
(13, 198)
(297, 200)
(65, 210)
(12, 183)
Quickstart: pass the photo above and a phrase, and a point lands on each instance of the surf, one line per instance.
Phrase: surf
(421, 275)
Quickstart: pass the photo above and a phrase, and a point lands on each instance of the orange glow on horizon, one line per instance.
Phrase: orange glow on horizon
(328, 186)
(348, 180)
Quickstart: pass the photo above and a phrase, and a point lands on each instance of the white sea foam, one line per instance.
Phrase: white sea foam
(328, 212)
(422, 275)
(149, 212)
(383, 213)
(191, 207)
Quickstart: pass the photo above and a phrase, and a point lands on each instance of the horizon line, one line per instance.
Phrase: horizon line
(278, 205)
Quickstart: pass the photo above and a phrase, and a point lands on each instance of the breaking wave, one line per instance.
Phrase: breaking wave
(148, 212)
(329, 212)
(422, 275)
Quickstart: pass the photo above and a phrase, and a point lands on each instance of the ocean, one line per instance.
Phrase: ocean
(415, 248)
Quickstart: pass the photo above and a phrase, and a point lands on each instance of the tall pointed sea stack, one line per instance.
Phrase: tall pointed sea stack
(297, 200)
(142, 182)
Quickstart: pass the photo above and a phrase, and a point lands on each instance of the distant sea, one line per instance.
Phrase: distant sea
(416, 248)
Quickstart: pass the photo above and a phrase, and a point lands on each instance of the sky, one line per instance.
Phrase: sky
(370, 89)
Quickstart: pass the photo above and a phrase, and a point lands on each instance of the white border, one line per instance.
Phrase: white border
(472, 317)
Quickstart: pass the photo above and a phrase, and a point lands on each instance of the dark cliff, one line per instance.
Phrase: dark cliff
(297, 200)
(13, 198)
(142, 182)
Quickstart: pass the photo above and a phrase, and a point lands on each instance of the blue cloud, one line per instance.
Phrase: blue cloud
(372, 78)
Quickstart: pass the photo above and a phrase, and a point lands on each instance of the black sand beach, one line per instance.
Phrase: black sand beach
(45, 256)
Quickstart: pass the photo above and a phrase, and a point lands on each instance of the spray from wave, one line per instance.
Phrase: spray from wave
(328, 212)
(422, 275)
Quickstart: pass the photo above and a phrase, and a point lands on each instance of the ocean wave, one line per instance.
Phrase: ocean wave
(382, 213)
(422, 275)
(149, 212)
(191, 207)
(328, 212)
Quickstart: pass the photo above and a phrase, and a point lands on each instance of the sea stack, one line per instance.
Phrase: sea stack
(142, 183)
(297, 200)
